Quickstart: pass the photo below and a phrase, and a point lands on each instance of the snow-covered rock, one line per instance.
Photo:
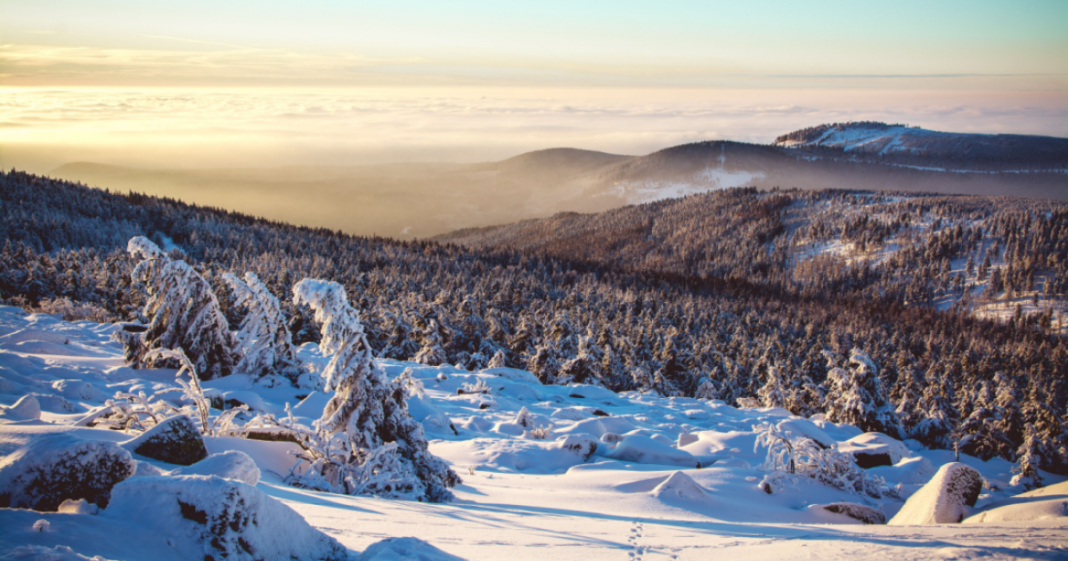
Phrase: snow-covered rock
(211, 517)
(175, 441)
(1040, 504)
(644, 450)
(54, 467)
(582, 446)
(678, 485)
(863, 513)
(232, 464)
(404, 549)
(945, 499)
(874, 449)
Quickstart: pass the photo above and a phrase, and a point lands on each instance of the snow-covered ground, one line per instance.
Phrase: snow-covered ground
(615, 477)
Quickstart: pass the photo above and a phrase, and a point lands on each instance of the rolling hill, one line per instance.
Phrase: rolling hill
(418, 200)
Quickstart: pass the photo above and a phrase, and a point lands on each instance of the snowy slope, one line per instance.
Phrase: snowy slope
(615, 478)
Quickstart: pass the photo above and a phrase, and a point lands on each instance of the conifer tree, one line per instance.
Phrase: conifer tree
(385, 450)
(266, 345)
(183, 314)
(857, 397)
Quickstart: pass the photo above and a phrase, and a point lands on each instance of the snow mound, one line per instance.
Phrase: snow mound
(27, 407)
(405, 549)
(80, 506)
(55, 467)
(679, 486)
(175, 441)
(803, 428)
(41, 553)
(232, 464)
(862, 513)
(945, 499)
(212, 518)
(644, 450)
(1040, 504)
(874, 449)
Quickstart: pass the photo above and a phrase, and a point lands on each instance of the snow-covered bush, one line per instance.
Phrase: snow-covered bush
(73, 311)
(266, 347)
(52, 468)
(183, 314)
(365, 441)
(788, 455)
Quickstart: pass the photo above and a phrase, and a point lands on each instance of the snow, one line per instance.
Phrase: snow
(231, 464)
(623, 485)
(1041, 504)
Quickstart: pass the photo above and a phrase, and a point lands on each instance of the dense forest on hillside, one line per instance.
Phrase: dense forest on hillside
(735, 295)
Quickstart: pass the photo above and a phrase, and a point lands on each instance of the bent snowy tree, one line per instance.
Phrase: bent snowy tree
(266, 345)
(183, 314)
(366, 442)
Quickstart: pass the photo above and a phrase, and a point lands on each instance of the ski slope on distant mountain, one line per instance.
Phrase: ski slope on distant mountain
(613, 476)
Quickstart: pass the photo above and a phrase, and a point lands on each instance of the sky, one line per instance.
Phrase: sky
(212, 83)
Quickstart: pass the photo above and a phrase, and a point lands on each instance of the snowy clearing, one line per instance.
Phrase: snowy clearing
(584, 471)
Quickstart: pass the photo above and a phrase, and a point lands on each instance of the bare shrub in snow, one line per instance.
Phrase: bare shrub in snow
(184, 314)
(478, 387)
(539, 433)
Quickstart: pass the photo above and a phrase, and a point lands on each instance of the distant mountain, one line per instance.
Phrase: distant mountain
(875, 141)
(407, 200)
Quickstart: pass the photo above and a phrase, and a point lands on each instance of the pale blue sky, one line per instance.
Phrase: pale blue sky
(577, 43)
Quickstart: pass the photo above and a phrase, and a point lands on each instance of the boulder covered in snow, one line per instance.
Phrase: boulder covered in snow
(1040, 504)
(52, 468)
(644, 450)
(232, 464)
(679, 486)
(175, 441)
(583, 446)
(214, 518)
(874, 449)
(405, 549)
(945, 499)
(863, 513)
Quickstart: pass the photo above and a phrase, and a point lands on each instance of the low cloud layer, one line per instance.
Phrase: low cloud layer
(182, 128)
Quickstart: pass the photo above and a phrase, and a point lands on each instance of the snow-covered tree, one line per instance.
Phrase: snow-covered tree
(1026, 469)
(432, 352)
(266, 345)
(366, 413)
(183, 314)
(772, 394)
(857, 397)
(499, 360)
